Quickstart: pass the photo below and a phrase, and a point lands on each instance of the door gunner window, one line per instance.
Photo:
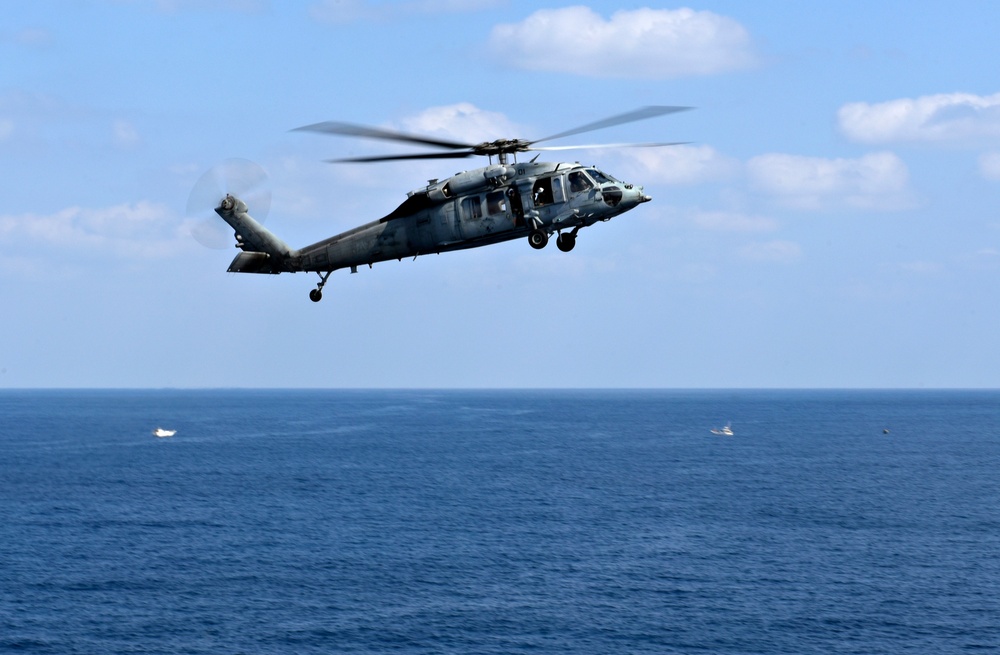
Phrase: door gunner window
(541, 192)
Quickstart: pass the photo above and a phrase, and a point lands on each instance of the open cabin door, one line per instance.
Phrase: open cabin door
(516, 205)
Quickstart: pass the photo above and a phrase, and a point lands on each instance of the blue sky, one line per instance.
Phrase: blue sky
(833, 222)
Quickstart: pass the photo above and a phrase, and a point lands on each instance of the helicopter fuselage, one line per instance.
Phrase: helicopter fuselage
(472, 209)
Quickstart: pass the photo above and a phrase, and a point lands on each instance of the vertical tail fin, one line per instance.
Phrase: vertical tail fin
(263, 252)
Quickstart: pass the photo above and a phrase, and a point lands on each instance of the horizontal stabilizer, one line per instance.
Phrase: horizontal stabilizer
(254, 262)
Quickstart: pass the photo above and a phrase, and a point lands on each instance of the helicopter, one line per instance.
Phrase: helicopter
(499, 202)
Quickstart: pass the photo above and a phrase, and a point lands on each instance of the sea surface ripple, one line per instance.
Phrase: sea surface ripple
(499, 522)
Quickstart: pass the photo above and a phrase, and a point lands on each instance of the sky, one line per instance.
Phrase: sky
(832, 221)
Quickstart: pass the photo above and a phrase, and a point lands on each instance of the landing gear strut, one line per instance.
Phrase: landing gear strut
(317, 294)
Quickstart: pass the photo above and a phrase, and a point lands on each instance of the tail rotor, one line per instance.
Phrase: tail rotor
(242, 178)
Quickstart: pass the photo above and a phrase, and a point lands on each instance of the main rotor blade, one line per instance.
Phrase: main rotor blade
(628, 117)
(424, 155)
(349, 129)
(611, 145)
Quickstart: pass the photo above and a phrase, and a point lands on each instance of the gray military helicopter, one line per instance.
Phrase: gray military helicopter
(499, 202)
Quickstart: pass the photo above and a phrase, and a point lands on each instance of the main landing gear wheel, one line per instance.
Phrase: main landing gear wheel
(566, 242)
(538, 239)
(315, 295)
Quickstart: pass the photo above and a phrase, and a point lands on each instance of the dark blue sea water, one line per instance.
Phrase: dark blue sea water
(499, 522)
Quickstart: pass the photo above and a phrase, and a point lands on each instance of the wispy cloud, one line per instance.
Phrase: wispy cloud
(989, 165)
(30, 37)
(351, 11)
(641, 43)
(175, 6)
(777, 252)
(462, 121)
(125, 135)
(33, 119)
(877, 181)
(934, 118)
(676, 165)
(137, 230)
(727, 221)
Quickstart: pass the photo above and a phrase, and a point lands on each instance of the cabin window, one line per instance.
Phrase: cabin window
(496, 203)
(578, 182)
(472, 208)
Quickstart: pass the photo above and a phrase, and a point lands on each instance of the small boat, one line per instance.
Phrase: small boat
(726, 431)
(160, 432)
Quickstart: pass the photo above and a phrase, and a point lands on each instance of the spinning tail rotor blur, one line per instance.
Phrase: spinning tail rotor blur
(242, 178)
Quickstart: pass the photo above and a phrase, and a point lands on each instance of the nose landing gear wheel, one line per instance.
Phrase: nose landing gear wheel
(538, 239)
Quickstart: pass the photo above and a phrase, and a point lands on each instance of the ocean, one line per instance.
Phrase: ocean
(585, 522)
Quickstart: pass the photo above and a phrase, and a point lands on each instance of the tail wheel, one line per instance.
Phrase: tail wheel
(317, 294)
(538, 239)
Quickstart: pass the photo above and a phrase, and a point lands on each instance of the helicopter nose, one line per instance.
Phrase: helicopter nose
(641, 196)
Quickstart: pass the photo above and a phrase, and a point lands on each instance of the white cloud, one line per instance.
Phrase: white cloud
(936, 118)
(724, 221)
(389, 181)
(675, 165)
(921, 267)
(124, 134)
(877, 181)
(642, 43)
(986, 259)
(240, 6)
(349, 11)
(461, 122)
(989, 165)
(779, 252)
(136, 230)
(32, 37)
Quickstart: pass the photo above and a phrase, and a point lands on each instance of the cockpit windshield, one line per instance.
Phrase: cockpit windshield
(600, 177)
(578, 182)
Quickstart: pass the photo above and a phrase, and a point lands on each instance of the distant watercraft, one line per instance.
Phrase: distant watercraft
(727, 431)
(160, 432)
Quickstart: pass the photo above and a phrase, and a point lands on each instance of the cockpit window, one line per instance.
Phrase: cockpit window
(599, 176)
(578, 182)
